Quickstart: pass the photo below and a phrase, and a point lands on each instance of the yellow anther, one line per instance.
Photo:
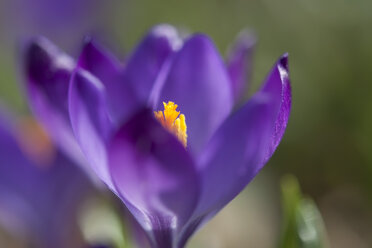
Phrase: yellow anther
(173, 121)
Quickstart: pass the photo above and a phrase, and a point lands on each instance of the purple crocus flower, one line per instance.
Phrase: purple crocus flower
(40, 191)
(173, 171)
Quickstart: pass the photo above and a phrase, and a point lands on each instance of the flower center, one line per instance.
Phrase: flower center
(173, 121)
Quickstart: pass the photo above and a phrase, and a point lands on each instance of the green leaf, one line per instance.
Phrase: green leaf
(291, 197)
(310, 227)
(302, 225)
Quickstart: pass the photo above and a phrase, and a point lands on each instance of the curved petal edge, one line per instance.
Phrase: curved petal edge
(278, 85)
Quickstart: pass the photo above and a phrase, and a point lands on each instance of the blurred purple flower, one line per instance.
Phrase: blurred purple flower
(240, 63)
(170, 189)
(63, 20)
(55, 13)
(40, 191)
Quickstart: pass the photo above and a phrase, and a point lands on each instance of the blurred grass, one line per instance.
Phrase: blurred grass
(302, 224)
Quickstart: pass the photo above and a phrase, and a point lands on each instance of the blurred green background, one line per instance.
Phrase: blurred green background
(327, 145)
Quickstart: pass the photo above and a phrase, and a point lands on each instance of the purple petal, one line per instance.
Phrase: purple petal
(47, 75)
(15, 168)
(98, 61)
(90, 121)
(198, 82)
(240, 63)
(231, 159)
(154, 176)
(137, 233)
(240, 148)
(149, 59)
(278, 85)
(34, 196)
(234, 154)
(103, 65)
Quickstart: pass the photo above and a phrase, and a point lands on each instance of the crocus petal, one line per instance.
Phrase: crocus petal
(278, 85)
(149, 59)
(103, 65)
(198, 82)
(90, 122)
(244, 142)
(48, 71)
(13, 194)
(233, 156)
(35, 195)
(240, 63)
(154, 176)
(98, 61)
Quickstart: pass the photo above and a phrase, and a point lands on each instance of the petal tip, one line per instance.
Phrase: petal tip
(283, 61)
(95, 58)
(87, 39)
(169, 33)
(200, 38)
(41, 58)
(247, 38)
(40, 52)
(91, 43)
(36, 46)
(37, 41)
(163, 29)
(86, 50)
(200, 42)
